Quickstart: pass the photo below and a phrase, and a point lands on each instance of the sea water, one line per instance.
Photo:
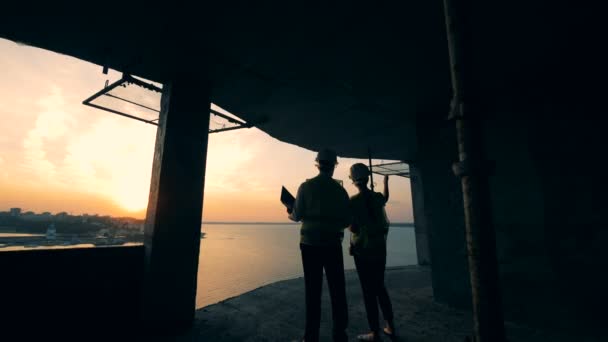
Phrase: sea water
(237, 258)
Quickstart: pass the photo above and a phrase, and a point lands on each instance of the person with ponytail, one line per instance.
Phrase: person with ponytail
(368, 247)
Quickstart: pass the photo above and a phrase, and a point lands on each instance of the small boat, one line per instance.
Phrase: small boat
(51, 232)
(118, 241)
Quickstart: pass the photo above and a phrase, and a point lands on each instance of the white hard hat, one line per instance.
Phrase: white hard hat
(358, 171)
(327, 155)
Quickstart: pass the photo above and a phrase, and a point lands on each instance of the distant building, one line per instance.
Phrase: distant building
(104, 233)
(15, 212)
(46, 216)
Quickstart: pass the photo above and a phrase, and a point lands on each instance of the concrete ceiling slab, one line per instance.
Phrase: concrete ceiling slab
(350, 77)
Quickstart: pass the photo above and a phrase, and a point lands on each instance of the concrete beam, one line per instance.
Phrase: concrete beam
(173, 221)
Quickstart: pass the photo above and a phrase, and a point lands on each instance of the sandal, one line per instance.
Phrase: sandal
(389, 329)
(369, 337)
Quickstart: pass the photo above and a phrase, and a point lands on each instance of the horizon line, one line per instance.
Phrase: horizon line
(279, 222)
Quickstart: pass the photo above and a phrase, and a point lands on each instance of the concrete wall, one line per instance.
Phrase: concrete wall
(549, 192)
(548, 196)
(86, 292)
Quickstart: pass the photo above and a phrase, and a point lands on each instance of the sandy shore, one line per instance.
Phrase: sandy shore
(276, 313)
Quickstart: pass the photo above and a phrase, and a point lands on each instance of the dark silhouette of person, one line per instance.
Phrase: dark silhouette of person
(322, 205)
(368, 247)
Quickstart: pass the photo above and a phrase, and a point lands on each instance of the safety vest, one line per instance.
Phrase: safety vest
(324, 210)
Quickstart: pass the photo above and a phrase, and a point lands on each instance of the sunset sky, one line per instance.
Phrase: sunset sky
(59, 155)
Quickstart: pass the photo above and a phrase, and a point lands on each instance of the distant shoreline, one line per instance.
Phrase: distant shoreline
(395, 224)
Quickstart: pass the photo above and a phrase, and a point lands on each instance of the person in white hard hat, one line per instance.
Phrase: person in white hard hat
(322, 205)
(368, 247)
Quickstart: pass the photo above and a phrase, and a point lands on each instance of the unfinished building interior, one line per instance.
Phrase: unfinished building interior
(497, 108)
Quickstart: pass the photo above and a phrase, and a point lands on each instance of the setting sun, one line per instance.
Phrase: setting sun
(132, 202)
(132, 198)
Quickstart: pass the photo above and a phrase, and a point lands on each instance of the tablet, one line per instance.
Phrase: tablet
(287, 198)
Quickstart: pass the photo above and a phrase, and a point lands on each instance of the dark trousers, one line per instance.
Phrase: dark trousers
(371, 274)
(314, 260)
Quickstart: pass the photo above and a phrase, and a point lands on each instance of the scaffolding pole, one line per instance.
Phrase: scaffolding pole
(472, 169)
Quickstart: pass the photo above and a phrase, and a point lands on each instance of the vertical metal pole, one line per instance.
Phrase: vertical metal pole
(371, 173)
(481, 245)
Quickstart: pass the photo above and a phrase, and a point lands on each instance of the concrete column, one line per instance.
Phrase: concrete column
(173, 221)
(438, 216)
(420, 219)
